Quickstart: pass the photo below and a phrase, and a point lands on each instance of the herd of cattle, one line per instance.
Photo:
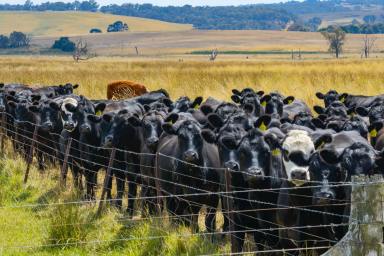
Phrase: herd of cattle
(289, 170)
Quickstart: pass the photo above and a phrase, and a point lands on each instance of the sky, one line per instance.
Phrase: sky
(160, 2)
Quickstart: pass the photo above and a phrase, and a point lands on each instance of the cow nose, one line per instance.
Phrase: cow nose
(324, 197)
(190, 156)
(152, 141)
(232, 165)
(255, 171)
(85, 128)
(2, 108)
(69, 126)
(48, 126)
(108, 141)
(299, 175)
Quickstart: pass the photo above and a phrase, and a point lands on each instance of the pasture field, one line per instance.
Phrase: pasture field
(71, 229)
(51, 23)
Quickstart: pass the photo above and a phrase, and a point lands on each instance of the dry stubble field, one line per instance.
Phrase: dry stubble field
(71, 229)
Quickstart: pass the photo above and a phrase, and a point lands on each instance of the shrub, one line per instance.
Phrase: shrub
(118, 26)
(64, 44)
(95, 30)
(4, 41)
(18, 39)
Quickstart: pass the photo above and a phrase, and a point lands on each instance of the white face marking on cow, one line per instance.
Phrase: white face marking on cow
(297, 141)
(68, 124)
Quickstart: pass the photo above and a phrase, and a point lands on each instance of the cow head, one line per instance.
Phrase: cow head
(375, 112)
(50, 116)
(69, 113)
(324, 174)
(297, 149)
(184, 103)
(66, 89)
(357, 159)
(303, 119)
(274, 103)
(330, 97)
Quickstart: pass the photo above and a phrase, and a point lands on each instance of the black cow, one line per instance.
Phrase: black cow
(186, 158)
(351, 101)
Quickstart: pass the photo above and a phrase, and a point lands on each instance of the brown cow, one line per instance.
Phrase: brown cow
(124, 89)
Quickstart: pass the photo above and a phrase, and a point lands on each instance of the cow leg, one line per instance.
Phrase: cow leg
(238, 241)
(120, 185)
(195, 218)
(40, 160)
(132, 192)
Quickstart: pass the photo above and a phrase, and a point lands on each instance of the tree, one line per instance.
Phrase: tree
(369, 43)
(81, 51)
(369, 19)
(314, 23)
(28, 5)
(90, 5)
(18, 39)
(336, 39)
(4, 41)
(64, 44)
(95, 30)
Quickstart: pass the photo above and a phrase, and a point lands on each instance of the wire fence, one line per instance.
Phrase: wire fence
(245, 209)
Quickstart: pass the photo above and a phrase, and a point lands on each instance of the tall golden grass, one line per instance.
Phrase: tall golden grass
(194, 78)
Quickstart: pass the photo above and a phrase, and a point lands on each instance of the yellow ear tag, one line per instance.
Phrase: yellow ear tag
(196, 106)
(99, 113)
(373, 133)
(342, 99)
(263, 127)
(321, 145)
(276, 152)
(290, 101)
(264, 103)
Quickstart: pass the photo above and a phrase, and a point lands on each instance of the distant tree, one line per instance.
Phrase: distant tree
(28, 5)
(298, 27)
(82, 51)
(95, 30)
(118, 26)
(4, 41)
(314, 23)
(368, 44)
(355, 22)
(64, 44)
(369, 19)
(336, 39)
(90, 6)
(18, 39)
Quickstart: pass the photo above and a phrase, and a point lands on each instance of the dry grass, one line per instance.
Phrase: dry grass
(194, 78)
(76, 23)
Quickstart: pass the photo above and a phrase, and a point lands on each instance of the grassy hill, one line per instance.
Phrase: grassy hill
(76, 23)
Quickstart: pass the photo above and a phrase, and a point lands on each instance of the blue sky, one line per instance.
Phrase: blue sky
(161, 2)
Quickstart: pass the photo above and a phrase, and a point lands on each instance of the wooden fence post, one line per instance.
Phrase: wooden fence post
(3, 130)
(30, 154)
(365, 235)
(63, 176)
(106, 179)
(228, 194)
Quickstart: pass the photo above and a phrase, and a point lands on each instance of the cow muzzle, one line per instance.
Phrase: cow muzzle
(69, 126)
(232, 165)
(47, 126)
(299, 176)
(190, 156)
(323, 197)
(152, 142)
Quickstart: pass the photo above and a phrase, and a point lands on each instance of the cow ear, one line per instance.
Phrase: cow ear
(12, 93)
(206, 109)
(107, 118)
(362, 111)
(351, 111)
(94, 118)
(322, 140)
(342, 97)
(263, 122)
(1, 85)
(215, 120)
(288, 100)
(167, 102)
(196, 103)
(319, 95)
(260, 93)
(12, 104)
(375, 128)
(208, 135)
(133, 120)
(229, 142)
(168, 128)
(318, 123)
(54, 105)
(146, 107)
(236, 98)
(248, 108)
(322, 117)
(334, 126)
(10, 98)
(285, 120)
(172, 118)
(236, 92)
(33, 108)
(264, 100)
(330, 156)
(273, 142)
(319, 110)
(99, 108)
(75, 86)
(35, 97)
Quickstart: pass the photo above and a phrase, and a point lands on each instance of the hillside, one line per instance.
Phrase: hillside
(76, 23)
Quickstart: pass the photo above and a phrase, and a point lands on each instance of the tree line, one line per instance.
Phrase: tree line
(91, 6)
(14, 40)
